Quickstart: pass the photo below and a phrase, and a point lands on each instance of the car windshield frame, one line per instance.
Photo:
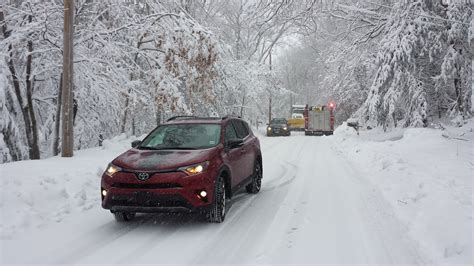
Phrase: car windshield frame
(186, 136)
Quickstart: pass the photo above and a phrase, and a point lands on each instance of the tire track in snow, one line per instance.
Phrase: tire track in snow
(238, 235)
(286, 227)
(270, 143)
(333, 219)
(281, 181)
(378, 214)
(92, 243)
(239, 221)
(156, 234)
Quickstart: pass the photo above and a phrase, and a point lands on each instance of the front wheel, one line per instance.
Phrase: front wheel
(218, 209)
(256, 184)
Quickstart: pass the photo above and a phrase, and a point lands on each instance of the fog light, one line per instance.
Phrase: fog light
(104, 192)
(203, 193)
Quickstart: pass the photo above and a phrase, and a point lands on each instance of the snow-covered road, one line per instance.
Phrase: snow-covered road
(314, 207)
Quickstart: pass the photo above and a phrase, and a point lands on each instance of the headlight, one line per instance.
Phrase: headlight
(285, 128)
(269, 128)
(195, 168)
(112, 169)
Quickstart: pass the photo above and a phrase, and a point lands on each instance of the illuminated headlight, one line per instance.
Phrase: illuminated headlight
(285, 128)
(112, 169)
(269, 128)
(195, 168)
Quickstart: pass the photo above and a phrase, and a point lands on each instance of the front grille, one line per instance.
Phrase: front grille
(145, 199)
(146, 186)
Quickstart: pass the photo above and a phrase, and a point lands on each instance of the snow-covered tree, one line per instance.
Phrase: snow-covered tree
(133, 60)
(423, 65)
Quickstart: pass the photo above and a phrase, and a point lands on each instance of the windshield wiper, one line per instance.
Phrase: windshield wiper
(176, 148)
(147, 148)
(166, 148)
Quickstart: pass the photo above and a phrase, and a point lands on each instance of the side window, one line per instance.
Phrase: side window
(229, 132)
(241, 129)
(249, 130)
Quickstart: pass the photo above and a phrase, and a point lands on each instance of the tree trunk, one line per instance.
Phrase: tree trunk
(242, 107)
(133, 127)
(58, 118)
(34, 148)
(10, 131)
(158, 116)
(125, 111)
(458, 90)
(8, 137)
(127, 100)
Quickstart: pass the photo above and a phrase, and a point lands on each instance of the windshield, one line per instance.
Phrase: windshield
(183, 136)
(278, 121)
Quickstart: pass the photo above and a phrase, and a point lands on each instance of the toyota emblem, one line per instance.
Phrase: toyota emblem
(143, 176)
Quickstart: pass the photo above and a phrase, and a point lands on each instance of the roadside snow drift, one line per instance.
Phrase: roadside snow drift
(426, 175)
(39, 193)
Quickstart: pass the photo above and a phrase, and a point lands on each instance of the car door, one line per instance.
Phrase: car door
(234, 158)
(248, 154)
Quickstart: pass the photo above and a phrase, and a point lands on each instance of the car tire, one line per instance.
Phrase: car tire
(124, 216)
(256, 184)
(217, 212)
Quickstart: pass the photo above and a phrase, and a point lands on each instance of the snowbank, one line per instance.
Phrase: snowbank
(35, 193)
(426, 175)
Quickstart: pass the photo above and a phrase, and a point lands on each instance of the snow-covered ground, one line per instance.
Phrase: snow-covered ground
(398, 197)
(426, 176)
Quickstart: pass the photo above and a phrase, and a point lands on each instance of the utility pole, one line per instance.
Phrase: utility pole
(270, 108)
(291, 103)
(242, 107)
(68, 81)
(270, 100)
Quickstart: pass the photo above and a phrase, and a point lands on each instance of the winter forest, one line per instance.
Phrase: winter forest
(386, 63)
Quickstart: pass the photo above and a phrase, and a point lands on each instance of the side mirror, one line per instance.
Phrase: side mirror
(136, 143)
(234, 143)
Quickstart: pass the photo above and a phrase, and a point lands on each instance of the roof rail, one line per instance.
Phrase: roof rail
(185, 117)
(230, 116)
(180, 117)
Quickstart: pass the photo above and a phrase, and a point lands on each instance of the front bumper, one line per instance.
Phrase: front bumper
(278, 132)
(162, 192)
(151, 203)
(318, 132)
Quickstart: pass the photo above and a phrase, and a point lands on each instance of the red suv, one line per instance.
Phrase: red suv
(188, 163)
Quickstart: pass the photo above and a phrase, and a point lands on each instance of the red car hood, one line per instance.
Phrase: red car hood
(149, 160)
